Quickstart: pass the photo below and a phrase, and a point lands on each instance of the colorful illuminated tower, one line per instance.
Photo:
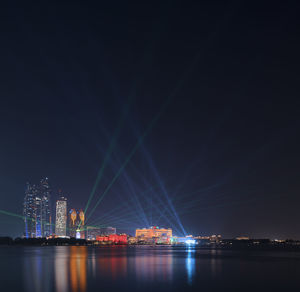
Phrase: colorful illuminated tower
(72, 223)
(81, 224)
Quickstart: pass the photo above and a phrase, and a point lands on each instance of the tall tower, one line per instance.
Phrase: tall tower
(45, 194)
(61, 217)
(38, 216)
(29, 211)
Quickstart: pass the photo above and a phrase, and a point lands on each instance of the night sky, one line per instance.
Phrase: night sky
(200, 98)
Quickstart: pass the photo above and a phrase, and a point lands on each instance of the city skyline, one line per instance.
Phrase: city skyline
(182, 116)
(150, 146)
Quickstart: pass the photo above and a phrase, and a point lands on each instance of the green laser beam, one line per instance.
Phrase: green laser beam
(137, 145)
(110, 149)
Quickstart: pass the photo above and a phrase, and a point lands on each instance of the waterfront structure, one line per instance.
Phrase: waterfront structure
(104, 231)
(153, 232)
(113, 238)
(61, 217)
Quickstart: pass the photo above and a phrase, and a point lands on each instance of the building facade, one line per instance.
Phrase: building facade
(92, 232)
(81, 227)
(45, 194)
(76, 224)
(29, 211)
(73, 223)
(61, 217)
(113, 239)
(37, 210)
(105, 231)
(154, 231)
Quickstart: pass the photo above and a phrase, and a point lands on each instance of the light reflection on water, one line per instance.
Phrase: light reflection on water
(71, 266)
(61, 270)
(154, 267)
(85, 269)
(37, 274)
(190, 265)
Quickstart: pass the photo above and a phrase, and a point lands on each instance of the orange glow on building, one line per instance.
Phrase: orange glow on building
(81, 216)
(153, 232)
(73, 216)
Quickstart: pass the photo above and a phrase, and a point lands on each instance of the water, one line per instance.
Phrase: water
(80, 269)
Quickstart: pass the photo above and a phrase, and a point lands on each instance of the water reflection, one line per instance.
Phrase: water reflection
(154, 266)
(113, 265)
(216, 267)
(61, 269)
(71, 269)
(37, 273)
(82, 269)
(190, 265)
(78, 268)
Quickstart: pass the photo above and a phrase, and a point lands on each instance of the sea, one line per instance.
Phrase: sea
(146, 268)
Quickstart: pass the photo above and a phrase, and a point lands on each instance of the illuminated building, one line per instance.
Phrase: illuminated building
(29, 211)
(81, 224)
(61, 217)
(32, 212)
(113, 238)
(36, 210)
(76, 224)
(92, 232)
(132, 240)
(108, 231)
(153, 232)
(38, 217)
(72, 223)
(45, 194)
(242, 238)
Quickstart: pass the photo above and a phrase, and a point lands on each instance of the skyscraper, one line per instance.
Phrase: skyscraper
(29, 211)
(37, 210)
(45, 194)
(38, 216)
(61, 217)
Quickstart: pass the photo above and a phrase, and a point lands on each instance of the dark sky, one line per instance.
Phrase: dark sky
(211, 89)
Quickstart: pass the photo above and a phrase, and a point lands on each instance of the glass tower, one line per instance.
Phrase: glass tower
(37, 210)
(29, 211)
(45, 193)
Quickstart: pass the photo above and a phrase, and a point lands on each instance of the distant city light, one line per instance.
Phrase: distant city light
(190, 242)
(77, 234)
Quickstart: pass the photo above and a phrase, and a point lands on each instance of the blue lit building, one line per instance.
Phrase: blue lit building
(45, 194)
(37, 210)
(29, 211)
